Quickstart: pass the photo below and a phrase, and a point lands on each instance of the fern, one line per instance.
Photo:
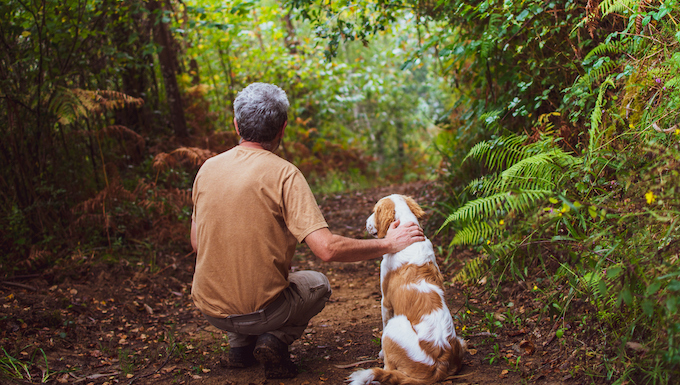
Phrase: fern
(674, 82)
(498, 152)
(473, 270)
(473, 234)
(595, 74)
(540, 170)
(609, 47)
(600, 285)
(502, 202)
(70, 104)
(532, 173)
(596, 117)
(618, 6)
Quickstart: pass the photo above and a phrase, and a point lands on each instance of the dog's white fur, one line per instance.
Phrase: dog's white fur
(419, 342)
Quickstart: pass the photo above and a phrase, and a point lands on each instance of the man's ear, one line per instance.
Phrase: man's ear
(236, 127)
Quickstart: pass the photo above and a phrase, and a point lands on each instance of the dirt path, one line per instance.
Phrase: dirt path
(127, 323)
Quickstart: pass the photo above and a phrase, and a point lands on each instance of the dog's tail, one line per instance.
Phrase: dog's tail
(382, 376)
(448, 363)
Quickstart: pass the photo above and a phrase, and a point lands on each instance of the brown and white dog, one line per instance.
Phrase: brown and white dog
(419, 343)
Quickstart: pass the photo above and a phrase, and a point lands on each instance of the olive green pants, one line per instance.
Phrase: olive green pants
(286, 318)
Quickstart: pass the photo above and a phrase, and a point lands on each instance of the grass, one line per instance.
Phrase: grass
(17, 369)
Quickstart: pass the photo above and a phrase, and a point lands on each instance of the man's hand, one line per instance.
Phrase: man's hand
(401, 237)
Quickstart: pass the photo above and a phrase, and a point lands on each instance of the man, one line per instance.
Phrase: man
(251, 208)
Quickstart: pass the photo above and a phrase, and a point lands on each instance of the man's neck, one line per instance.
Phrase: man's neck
(266, 146)
(245, 143)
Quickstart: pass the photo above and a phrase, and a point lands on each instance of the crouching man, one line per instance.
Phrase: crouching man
(251, 208)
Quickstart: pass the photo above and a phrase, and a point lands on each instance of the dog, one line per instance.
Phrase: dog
(419, 342)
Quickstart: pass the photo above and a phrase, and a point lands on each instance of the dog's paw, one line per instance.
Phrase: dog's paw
(362, 377)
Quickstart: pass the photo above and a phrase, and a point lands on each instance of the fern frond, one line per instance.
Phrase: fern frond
(110, 100)
(600, 286)
(472, 271)
(485, 207)
(70, 104)
(499, 152)
(596, 116)
(610, 47)
(122, 132)
(659, 71)
(674, 82)
(617, 6)
(192, 155)
(594, 75)
(473, 234)
(163, 161)
(536, 168)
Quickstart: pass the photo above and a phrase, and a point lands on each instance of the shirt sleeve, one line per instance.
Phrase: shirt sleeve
(300, 210)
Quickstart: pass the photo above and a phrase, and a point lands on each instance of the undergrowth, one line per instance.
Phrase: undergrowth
(600, 223)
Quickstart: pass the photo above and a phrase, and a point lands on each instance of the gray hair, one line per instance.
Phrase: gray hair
(261, 110)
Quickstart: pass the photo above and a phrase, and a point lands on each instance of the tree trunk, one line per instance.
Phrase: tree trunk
(168, 61)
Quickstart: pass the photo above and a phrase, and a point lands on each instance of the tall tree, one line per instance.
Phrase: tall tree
(167, 57)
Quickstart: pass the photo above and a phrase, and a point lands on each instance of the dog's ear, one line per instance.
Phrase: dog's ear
(414, 207)
(384, 216)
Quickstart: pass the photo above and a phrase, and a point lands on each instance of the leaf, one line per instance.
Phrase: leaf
(653, 288)
(626, 296)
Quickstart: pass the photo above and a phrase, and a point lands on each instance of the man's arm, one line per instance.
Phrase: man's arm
(336, 248)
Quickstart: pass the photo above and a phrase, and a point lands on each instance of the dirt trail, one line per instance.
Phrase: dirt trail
(125, 323)
(348, 330)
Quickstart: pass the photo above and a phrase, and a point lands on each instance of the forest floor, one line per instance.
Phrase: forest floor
(134, 322)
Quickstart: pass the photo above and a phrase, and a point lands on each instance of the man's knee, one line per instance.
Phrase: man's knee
(311, 286)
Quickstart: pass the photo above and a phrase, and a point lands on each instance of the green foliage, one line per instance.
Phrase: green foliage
(473, 270)
(531, 173)
(23, 370)
(607, 226)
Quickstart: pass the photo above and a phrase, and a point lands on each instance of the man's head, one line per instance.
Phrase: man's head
(261, 111)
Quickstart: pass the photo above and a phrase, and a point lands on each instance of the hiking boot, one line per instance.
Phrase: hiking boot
(241, 357)
(273, 354)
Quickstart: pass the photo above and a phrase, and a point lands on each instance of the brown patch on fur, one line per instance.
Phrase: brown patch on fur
(399, 298)
(399, 369)
(384, 216)
(385, 213)
(458, 349)
(414, 207)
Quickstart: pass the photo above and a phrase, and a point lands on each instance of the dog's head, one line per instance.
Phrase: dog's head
(388, 210)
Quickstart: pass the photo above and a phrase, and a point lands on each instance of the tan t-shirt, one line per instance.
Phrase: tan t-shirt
(251, 207)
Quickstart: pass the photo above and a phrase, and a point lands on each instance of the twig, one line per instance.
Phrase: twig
(354, 364)
(482, 334)
(453, 377)
(95, 376)
(21, 285)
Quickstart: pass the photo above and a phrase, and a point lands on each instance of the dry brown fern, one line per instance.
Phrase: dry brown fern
(192, 156)
(70, 104)
(36, 257)
(109, 100)
(115, 191)
(592, 16)
(123, 133)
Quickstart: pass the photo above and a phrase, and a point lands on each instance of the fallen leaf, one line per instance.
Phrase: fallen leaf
(528, 346)
(636, 347)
